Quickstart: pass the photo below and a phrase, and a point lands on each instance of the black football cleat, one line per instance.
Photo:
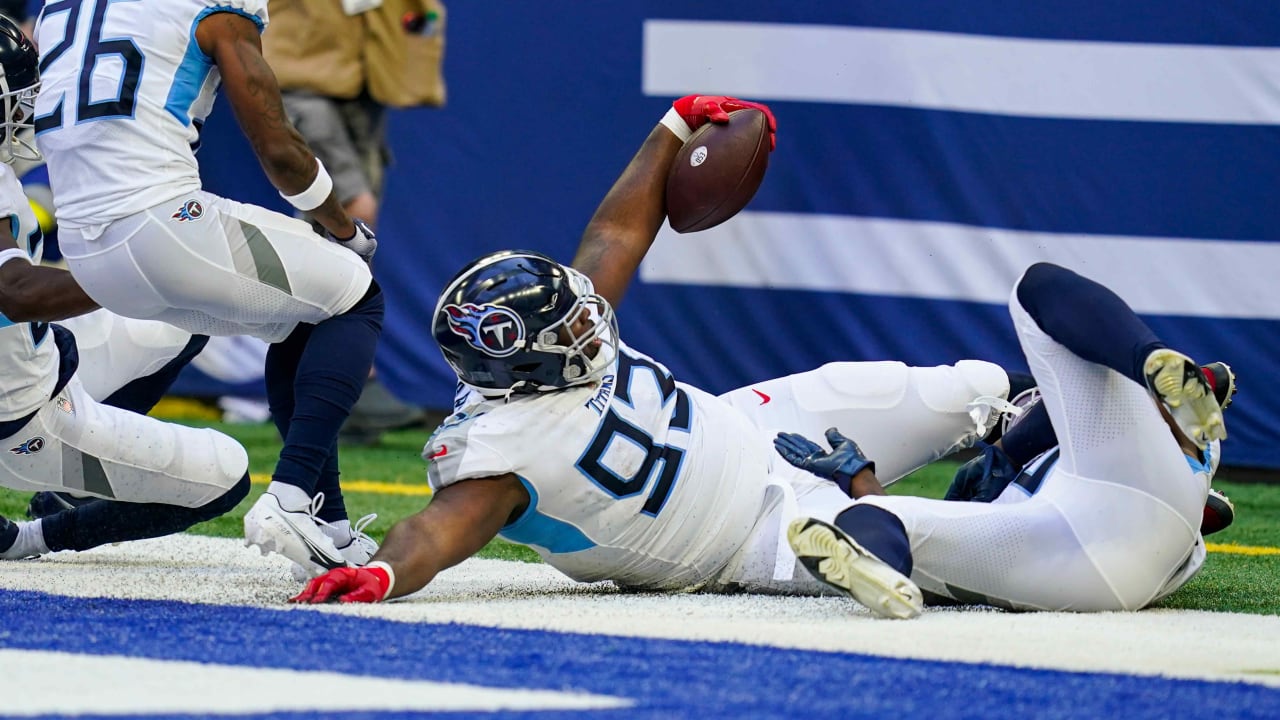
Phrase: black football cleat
(1218, 513)
(8, 534)
(44, 504)
(1222, 380)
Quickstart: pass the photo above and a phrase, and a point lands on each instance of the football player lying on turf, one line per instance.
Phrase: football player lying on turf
(569, 441)
(55, 432)
(1109, 519)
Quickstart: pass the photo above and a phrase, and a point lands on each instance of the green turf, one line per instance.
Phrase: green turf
(1229, 582)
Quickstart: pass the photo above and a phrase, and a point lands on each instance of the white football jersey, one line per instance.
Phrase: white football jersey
(637, 478)
(125, 91)
(27, 351)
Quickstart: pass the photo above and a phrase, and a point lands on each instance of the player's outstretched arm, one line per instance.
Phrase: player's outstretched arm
(30, 293)
(628, 219)
(233, 41)
(460, 520)
(625, 224)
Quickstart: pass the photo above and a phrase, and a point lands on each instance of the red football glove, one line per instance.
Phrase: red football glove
(368, 584)
(696, 110)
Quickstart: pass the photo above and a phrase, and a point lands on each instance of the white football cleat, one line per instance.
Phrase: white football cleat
(355, 546)
(359, 547)
(297, 535)
(830, 555)
(1177, 382)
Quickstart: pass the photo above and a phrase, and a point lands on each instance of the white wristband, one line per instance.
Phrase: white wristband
(676, 125)
(315, 195)
(11, 253)
(391, 576)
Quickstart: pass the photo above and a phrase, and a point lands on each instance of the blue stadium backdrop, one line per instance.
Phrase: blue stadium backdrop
(928, 152)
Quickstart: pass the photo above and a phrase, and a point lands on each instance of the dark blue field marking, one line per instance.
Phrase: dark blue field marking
(664, 678)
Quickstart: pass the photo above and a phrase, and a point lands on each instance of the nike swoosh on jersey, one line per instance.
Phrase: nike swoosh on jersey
(764, 399)
(444, 450)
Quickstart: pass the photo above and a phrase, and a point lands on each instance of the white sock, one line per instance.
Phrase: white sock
(291, 497)
(30, 541)
(339, 532)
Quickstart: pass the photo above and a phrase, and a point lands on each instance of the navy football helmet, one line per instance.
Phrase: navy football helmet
(517, 321)
(19, 83)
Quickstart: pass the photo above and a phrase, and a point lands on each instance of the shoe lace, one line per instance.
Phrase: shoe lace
(357, 528)
(325, 526)
(317, 502)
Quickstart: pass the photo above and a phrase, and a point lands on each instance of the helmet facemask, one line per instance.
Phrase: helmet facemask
(18, 107)
(585, 358)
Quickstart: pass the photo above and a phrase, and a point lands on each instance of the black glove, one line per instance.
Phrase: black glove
(840, 465)
(983, 478)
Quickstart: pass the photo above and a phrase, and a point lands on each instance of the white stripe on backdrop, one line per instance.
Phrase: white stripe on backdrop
(976, 73)
(877, 256)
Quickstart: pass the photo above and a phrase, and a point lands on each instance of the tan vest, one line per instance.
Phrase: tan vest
(313, 45)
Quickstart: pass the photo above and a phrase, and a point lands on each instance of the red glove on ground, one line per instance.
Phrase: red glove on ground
(368, 584)
(696, 110)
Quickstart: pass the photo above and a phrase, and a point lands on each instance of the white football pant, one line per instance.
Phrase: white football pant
(214, 266)
(901, 417)
(1113, 526)
(76, 444)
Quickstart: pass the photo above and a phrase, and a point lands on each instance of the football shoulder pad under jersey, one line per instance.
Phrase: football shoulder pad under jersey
(474, 443)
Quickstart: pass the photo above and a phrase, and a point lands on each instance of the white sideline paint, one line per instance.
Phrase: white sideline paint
(974, 73)
(119, 685)
(1184, 644)
(909, 258)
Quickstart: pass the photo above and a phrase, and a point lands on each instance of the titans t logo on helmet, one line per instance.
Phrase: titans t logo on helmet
(492, 329)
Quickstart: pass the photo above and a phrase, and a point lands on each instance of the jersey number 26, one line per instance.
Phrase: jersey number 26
(97, 48)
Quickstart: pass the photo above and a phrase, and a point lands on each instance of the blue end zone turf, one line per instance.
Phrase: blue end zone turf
(664, 678)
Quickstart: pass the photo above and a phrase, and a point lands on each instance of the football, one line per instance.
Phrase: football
(718, 171)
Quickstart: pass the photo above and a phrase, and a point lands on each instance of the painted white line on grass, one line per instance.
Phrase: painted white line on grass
(119, 685)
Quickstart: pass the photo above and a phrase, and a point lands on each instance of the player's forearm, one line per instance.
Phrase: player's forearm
(30, 293)
(293, 169)
(410, 551)
(625, 224)
(254, 94)
(461, 519)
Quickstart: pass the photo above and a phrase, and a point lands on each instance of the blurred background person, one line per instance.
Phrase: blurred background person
(340, 65)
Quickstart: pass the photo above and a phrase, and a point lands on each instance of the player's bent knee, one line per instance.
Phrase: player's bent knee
(232, 461)
(1040, 284)
(950, 388)
(224, 503)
